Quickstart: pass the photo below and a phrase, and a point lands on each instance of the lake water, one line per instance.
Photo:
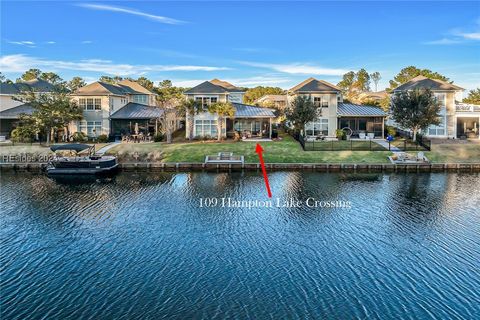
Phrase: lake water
(140, 246)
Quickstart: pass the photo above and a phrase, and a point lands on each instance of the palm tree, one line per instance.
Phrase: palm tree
(223, 110)
(191, 108)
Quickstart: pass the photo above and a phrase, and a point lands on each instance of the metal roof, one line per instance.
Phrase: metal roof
(214, 86)
(137, 111)
(15, 112)
(246, 111)
(350, 109)
(421, 82)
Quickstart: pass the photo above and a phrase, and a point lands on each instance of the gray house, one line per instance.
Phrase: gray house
(249, 121)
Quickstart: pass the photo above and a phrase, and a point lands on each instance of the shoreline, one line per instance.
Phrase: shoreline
(318, 167)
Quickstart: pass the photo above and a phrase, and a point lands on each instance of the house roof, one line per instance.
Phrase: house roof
(214, 86)
(134, 87)
(15, 112)
(350, 109)
(373, 95)
(137, 111)
(247, 111)
(37, 85)
(314, 85)
(122, 88)
(421, 82)
(272, 97)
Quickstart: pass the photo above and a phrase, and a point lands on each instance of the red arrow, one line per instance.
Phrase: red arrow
(259, 150)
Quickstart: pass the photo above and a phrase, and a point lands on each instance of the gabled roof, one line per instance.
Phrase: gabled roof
(15, 112)
(246, 111)
(37, 85)
(133, 87)
(421, 82)
(350, 109)
(137, 111)
(122, 88)
(314, 85)
(214, 86)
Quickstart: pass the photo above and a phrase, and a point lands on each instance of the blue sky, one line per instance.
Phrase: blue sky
(247, 43)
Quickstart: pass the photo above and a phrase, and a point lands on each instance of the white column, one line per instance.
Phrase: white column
(270, 127)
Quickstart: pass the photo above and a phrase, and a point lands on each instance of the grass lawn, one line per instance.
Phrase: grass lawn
(451, 153)
(287, 151)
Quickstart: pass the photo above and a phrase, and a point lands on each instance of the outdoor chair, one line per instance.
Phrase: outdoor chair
(361, 135)
(370, 135)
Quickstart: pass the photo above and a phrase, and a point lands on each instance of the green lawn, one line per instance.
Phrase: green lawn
(287, 151)
(454, 153)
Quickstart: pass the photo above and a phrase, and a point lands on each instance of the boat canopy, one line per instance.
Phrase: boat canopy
(77, 147)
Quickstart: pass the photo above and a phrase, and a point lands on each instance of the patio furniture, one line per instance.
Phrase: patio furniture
(371, 135)
(3, 138)
(361, 135)
(225, 155)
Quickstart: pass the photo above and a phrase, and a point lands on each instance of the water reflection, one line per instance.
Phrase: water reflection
(139, 246)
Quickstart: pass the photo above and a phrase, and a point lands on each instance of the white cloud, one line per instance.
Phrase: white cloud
(21, 62)
(30, 44)
(87, 42)
(50, 42)
(298, 68)
(470, 36)
(443, 41)
(104, 7)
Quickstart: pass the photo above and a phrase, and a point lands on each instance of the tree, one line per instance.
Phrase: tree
(166, 91)
(30, 75)
(347, 81)
(111, 80)
(415, 110)
(376, 77)
(362, 81)
(51, 111)
(473, 97)
(75, 84)
(253, 94)
(301, 112)
(146, 83)
(191, 108)
(408, 73)
(52, 77)
(222, 110)
(2, 77)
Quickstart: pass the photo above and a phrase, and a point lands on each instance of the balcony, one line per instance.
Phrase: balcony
(464, 107)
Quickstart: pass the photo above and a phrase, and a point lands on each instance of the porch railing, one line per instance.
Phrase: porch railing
(464, 107)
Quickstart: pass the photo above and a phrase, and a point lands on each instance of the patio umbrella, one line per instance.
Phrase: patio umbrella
(136, 128)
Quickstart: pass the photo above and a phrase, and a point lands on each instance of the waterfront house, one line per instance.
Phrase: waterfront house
(116, 109)
(11, 109)
(252, 121)
(458, 120)
(334, 113)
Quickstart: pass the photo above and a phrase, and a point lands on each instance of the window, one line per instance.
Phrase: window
(317, 127)
(91, 128)
(90, 104)
(440, 129)
(140, 98)
(321, 101)
(206, 101)
(324, 101)
(441, 98)
(206, 128)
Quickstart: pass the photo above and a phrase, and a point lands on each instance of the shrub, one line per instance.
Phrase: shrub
(22, 134)
(79, 137)
(103, 138)
(390, 131)
(340, 134)
(158, 137)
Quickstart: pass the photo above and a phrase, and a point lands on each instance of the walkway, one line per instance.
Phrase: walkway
(384, 144)
(109, 146)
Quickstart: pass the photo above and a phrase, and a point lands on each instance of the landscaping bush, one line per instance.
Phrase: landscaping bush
(390, 131)
(103, 138)
(158, 137)
(23, 135)
(340, 134)
(79, 137)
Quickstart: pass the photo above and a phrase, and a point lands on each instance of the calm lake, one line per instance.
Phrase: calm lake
(145, 246)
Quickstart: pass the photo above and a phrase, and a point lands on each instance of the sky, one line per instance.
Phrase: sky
(246, 43)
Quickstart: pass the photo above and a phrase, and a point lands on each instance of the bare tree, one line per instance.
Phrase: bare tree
(376, 77)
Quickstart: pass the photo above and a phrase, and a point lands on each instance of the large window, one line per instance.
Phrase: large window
(140, 98)
(206, 101)
(206, 128)
(317, 128)
(439, 130)
(91, 128)
(321, 101)
(90, 104)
